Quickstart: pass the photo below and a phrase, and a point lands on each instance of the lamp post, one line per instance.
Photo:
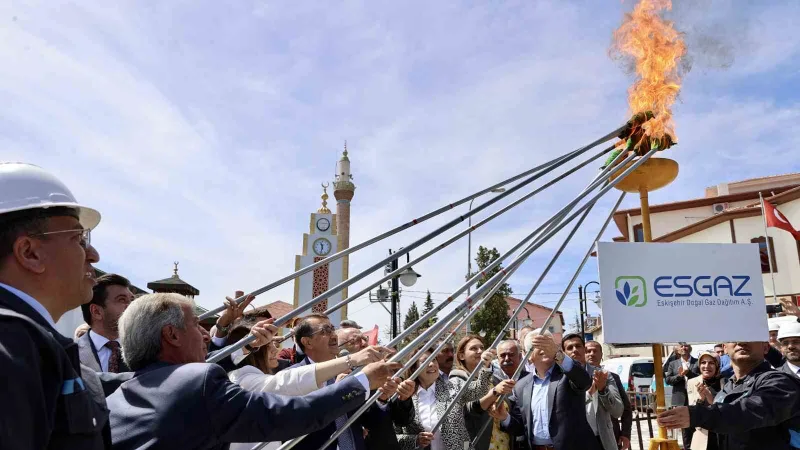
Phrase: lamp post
(409, 278)
(582, 290)
(527, 321)
(469, 245)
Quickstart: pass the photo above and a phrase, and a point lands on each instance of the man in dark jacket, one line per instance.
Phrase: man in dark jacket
(755, 410)
(680, 370)
(50, 401)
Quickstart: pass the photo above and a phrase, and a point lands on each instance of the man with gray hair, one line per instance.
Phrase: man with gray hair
(176, 400)
(548, 407)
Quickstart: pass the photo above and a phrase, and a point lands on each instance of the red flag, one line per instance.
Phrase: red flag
(776, 219)
(372, 336)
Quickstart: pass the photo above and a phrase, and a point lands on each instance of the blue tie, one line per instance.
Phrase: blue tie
(346, 441)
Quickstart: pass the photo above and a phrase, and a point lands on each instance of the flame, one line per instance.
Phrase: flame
(657, 49)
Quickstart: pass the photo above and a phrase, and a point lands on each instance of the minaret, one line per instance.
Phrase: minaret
(343, 191)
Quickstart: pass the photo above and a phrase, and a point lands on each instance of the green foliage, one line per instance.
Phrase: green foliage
(412, 315)
(493, 316)
(427, 307)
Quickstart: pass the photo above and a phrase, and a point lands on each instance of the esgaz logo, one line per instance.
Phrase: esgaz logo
(631, 291)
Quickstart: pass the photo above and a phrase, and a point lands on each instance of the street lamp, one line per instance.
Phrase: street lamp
(469, 245)
(408, 277)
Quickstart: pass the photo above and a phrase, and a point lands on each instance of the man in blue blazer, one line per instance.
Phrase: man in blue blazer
(176, 400)
(549, 406)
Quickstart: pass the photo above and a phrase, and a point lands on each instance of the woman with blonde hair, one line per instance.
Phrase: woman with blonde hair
(701, 391)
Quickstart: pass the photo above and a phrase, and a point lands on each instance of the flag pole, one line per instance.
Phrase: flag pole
(769, 250)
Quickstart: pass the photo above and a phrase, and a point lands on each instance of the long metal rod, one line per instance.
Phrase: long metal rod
(458, 236)
(496, 285)
(250, 338)
(410, 224)
(529, 352)
(500, 335)
(517, 261)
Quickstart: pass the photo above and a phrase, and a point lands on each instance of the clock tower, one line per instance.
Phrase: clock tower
(322, 240)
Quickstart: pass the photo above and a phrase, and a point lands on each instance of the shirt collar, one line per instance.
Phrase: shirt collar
(546, 375)
(99, 340)
(431, 389)
(30, 301)
(794, 368)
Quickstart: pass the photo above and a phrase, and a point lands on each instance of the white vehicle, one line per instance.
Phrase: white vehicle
(637, 375)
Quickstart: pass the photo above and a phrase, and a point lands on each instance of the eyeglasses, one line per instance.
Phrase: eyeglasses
(324, 329)
(86, 235)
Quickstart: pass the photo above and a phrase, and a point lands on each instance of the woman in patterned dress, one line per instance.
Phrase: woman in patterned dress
(431, 399)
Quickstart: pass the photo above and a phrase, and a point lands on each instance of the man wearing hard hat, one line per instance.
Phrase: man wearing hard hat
(45, 270)
(789, 337)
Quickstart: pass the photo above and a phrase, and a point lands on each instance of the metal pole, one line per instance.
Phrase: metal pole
(528, 353)
(580, 306)
(244, 341)
(469, 254)
(606, 174)
(395, 298)
(417, 221)
(769, 250)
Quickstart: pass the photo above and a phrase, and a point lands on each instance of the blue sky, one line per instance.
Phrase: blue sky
(201, 130)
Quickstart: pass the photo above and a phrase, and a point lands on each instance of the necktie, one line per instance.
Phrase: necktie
(345, 441)
(114, 359)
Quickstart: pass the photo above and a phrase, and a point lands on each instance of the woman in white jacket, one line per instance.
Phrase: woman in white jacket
(256, 372)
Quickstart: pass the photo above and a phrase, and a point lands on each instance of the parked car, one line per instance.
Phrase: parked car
(638, 377)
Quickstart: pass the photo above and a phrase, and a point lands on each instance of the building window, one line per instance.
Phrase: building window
(762, 248)
(638, 233)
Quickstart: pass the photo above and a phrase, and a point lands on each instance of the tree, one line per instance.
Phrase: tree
(493, 316)
(575, 327)
(426, 308)
(412, 315)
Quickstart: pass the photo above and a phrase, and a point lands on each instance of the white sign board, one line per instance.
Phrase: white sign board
(654, 293)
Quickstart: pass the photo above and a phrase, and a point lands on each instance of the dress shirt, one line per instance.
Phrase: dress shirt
(685, 364)
(540, 434)
(426, 399)
(444, 376)
(32, 303)
(360, 376)
(795, 369)
(103, 353)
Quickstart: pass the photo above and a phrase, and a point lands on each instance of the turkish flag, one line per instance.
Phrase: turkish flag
(776, 219)
(372, 336)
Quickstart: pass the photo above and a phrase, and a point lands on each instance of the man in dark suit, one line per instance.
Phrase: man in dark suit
(789, 337)
(316, 338)
(623, 425)
(548, 407)
(175, 400)
(49, 400)
(99, 348)
(682, 369)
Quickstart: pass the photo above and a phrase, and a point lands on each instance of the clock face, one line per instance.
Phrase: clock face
(323, 224)
(322, 246)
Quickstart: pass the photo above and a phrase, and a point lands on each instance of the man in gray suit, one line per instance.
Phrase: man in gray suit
(548, 407)
(99, 348)
(603, 399)
(789, 337)
(176, 400)
(682, 369)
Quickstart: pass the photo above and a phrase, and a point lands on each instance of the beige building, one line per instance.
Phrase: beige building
(728, 213)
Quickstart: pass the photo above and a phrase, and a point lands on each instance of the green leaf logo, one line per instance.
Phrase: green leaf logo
(631, 291)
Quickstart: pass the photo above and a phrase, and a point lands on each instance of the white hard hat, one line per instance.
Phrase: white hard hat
(25, 186)
(774, 326)
(789, 329)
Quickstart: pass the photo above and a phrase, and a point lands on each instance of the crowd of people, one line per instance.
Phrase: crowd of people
(135, 375)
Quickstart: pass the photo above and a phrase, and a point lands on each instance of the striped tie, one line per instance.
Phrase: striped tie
(345, 441)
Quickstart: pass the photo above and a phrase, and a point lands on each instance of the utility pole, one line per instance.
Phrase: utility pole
(393, 265)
